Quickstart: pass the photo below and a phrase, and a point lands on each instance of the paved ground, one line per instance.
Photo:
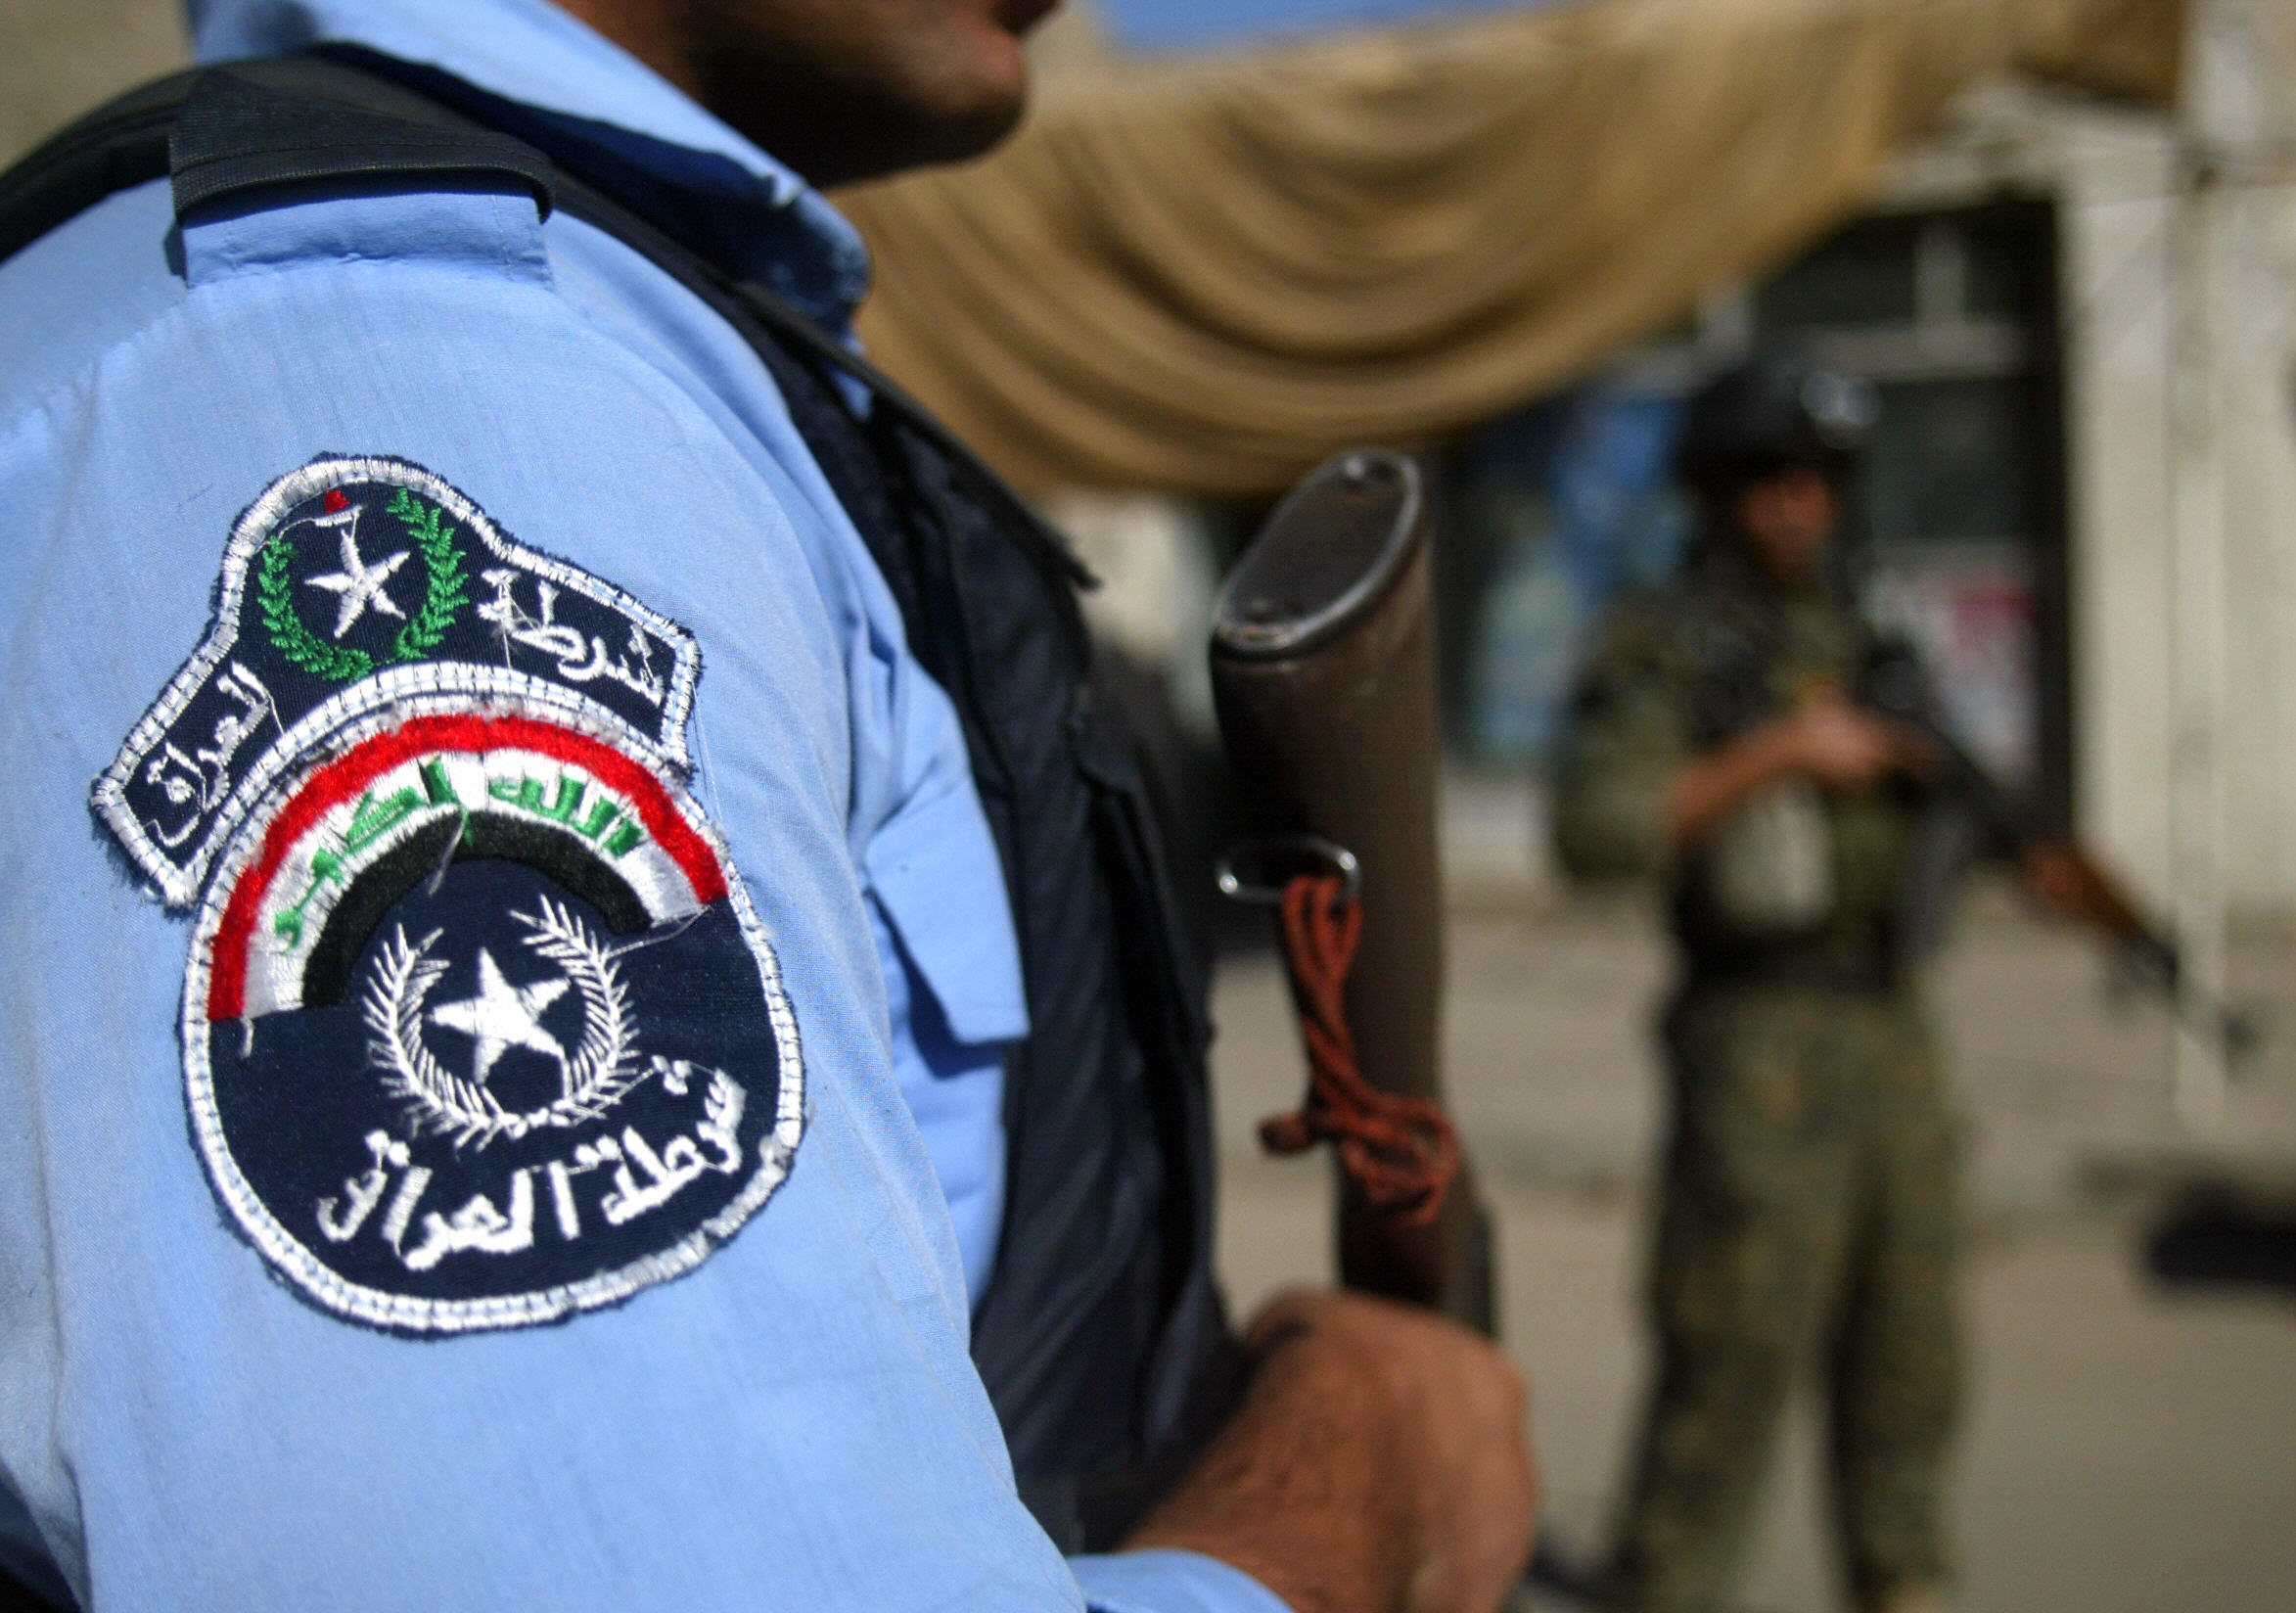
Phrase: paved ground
(2127, 1449)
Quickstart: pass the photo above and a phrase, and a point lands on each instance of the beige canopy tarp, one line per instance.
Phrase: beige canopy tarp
(1207, 276)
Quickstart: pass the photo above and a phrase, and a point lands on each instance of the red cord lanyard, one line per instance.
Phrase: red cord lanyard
(1401, 1151)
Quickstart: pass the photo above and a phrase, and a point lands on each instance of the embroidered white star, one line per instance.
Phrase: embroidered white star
(358, 584)
(503, 1016)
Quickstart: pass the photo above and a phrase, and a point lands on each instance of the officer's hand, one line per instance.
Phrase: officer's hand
(1377, 1465)
(1842, 747)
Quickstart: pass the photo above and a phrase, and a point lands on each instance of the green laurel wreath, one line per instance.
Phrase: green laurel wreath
(446, 591)
(443, 563)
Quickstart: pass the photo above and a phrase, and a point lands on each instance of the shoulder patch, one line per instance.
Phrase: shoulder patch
(369, 578)
(479, 1028)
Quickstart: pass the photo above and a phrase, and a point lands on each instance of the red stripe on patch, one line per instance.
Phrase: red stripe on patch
(342, 779)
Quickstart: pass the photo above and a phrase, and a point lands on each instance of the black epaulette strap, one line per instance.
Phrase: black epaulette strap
(245, 126)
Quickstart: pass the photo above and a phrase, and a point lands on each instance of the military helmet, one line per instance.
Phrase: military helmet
(1772, 413)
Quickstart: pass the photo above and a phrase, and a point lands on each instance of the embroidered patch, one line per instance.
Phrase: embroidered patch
(349, 583)
(479, 1028)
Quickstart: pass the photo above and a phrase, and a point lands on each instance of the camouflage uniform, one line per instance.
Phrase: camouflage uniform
(1807, 1215)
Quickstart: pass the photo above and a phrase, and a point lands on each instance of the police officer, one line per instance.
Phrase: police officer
(1805, 1214)
(590, 1021)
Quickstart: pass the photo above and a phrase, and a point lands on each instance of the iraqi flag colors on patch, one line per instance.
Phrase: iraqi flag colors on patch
(479, 1028)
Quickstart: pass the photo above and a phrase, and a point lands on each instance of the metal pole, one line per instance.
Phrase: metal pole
(2196, 625)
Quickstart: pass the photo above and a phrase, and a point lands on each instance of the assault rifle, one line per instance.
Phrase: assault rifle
(2147, 953)
(1323, 672)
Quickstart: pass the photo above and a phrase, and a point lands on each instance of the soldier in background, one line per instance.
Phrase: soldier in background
(1807, 1215)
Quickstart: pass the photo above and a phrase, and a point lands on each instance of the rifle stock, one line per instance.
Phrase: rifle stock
(1323, 675)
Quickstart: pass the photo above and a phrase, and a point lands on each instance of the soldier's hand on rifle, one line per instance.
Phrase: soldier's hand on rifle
(1377, 1465)
(1825, 738)
(1842, 748)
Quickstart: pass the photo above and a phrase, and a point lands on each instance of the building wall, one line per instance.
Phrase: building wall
(2246, 118)
(2178, 240)
(2116, 218)
(2181, 293)
(2257, 296)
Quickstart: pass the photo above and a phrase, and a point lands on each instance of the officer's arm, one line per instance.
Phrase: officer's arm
(541, 1225)
(462, 1167)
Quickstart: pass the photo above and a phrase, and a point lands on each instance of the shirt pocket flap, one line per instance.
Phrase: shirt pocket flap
(935, 874)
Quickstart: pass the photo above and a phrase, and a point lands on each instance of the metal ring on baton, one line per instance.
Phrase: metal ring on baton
(1264, 887)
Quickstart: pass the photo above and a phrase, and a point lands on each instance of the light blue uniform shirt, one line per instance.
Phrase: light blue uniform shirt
(793, 1423)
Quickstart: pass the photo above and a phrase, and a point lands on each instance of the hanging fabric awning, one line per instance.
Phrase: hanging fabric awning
(1206, 276)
